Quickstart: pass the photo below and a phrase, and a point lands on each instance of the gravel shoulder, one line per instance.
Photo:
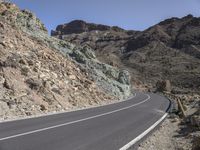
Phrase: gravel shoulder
(167, 137)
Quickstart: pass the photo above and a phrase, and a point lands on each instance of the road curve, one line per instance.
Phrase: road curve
(109, 127)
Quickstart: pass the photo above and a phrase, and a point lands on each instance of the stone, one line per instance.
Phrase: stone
(25, 70)
(195, 121)
(2, 79)
(28, 113)
(30, 62)
(12, 104)
(23, 61)
(43, 107)
(56, 89)
(7, 84)
(72, 77)
(163, 86)
(34, 83)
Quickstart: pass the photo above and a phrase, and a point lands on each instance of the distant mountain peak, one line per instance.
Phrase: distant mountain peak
(80, 26)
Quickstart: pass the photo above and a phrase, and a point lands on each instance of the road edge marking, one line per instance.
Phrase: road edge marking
(72, 122)
(139, 137)
(57, 113)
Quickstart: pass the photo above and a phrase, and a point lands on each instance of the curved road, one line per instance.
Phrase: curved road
(109, 127)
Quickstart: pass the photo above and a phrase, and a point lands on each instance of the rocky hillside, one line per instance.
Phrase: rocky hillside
(168, 51)
(40, 74)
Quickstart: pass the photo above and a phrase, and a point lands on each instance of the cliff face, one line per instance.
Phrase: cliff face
(169, 50)
(40, 74)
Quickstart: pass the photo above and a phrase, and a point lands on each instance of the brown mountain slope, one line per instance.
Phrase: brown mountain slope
(169, 50)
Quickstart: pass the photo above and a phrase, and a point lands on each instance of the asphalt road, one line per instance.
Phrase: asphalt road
(110, 127)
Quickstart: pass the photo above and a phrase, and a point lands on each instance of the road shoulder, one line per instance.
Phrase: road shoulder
(166, 137)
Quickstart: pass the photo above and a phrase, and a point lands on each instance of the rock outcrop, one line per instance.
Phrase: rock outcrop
(40, 74)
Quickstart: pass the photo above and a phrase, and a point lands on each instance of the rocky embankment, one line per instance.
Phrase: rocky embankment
(41, 74)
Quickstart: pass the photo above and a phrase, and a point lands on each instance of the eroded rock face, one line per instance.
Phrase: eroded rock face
(109, 78)
(169, 50)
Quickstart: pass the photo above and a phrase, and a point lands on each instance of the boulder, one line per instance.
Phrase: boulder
(34, 83)
(195, 121)
(163, 86)
(43, 107)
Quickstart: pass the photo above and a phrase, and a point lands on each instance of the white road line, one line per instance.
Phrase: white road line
(56, 113)
(72, 122)
(139, 137)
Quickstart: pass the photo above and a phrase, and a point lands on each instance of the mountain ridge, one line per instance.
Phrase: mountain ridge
(174, 41)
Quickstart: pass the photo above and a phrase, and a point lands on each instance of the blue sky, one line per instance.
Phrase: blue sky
(128, 14)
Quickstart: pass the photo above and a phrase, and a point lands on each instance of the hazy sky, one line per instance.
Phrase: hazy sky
(128, 14)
